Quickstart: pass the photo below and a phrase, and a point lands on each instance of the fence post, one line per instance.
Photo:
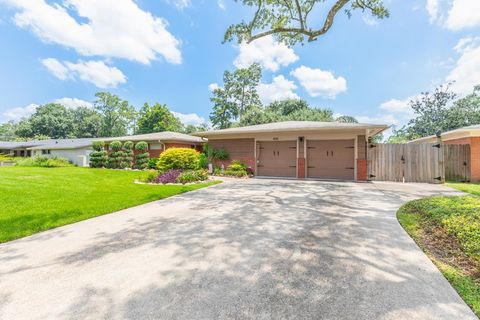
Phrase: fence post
(441, 161)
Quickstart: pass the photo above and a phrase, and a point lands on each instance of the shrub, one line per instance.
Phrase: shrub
(98, 158)
(115, 156)
(44, 162)
(169, 176)
(202, 161)
(178, 158)
(190, 176)
(127, 160)
(152, 163)
(236, 174)
(149, 176)
(216, 154)
(141, 159)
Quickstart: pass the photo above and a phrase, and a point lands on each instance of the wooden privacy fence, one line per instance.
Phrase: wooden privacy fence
(431, 163)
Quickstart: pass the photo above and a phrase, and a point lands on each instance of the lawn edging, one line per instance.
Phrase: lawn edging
(420, 219)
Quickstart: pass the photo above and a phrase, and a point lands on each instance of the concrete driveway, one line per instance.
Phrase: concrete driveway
(245, 249)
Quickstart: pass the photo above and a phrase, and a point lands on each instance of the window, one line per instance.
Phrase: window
(45, 151)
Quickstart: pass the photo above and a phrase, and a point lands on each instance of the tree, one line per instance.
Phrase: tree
(238, 95)
(52, 120)
(87, 123)
(189, 129)
(288, 110)
(117, 114)
(290, 22)
(346, 119)
(7, 131)
(157, 118)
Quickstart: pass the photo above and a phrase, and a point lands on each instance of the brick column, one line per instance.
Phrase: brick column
(362, 170)
(301, 168)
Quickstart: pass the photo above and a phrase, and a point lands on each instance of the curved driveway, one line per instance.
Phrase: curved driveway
(245, 249)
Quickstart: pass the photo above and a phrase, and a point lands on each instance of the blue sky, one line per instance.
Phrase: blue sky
(170, 51)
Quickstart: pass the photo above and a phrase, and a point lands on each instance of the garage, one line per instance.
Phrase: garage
(331, 159)
(277, 158)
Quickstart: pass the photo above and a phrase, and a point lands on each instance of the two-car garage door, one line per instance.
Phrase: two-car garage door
(325, 159)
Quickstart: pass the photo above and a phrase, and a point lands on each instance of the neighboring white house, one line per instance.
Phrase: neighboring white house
(76, 150)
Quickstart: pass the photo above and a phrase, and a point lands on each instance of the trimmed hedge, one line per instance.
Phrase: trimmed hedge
(98, 158)
(178, 158)
(141, 159)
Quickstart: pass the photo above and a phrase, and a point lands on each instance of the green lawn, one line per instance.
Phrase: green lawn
(448, 231)
(37, 199)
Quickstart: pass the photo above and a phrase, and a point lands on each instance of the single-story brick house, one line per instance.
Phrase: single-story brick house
(78, 150)
(467, 135)
(299, 149)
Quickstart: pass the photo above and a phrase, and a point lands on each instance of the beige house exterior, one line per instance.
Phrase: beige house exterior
(299, 149)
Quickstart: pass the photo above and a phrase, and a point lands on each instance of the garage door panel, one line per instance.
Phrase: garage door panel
(277, 159)
(330, 159)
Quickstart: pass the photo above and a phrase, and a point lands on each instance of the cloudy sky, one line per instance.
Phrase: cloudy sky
(170, 51)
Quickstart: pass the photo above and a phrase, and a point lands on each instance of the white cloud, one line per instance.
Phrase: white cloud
(379, 119)
(463, 14)
(189, 118)
(213, 86)
(397, 106)
(17, 114)
(96, 72)
(180, 4)
(221, 4)
(267, 52)
(73, 103)
(109, 28)
(466, 72)
(280, 89)
(369, 21)
(432, 7)
(56, 68)
(319, 83)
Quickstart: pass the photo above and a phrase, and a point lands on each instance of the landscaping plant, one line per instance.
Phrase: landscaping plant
(127, 160)
(178, 158)
(115, 156)
(141, 159)
(190, 176)
(98, 158)
(169, 176)
(152, 163)
(236, 169)
(40, 161)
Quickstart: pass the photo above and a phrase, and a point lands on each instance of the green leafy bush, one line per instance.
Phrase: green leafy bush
(44, 162)
(216, 154)
(149, 176)
(152, 163)
(115, 156)
(236, 169)
(98, 158)
(202, 161)
(127, 160)
(190, 176)
(141, 159)
(178, 158)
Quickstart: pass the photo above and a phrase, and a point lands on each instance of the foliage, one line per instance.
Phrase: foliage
(38, 199)
(189, 129)
(115, 156)
(46, 162)
(458, 217)
(236, 169)
(169, 176)
(215, 153)
(202, 161)
(289, 22)
(5, 158)
(152, 163)
(7, 131)
(142, 158)
(52, 120)
(237, 96)
(287, 110)
(127, 160)
(190, 176)
(346, 119)
(178, 158)
(440, 112)
(117, 114)
(157, 118)
(149, 176)
(98, 158)
(467, 187)
(87, 123)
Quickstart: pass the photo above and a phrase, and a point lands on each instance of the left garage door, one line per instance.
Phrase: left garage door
(277, 159)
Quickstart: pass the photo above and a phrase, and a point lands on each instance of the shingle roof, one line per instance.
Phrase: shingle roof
(466, 131)
(289, 126)
(21, 144)
(64, 144)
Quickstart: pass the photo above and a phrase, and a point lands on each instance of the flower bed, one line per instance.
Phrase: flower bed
(175, 176)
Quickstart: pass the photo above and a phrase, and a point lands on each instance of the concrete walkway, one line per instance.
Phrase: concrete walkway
(245, 249)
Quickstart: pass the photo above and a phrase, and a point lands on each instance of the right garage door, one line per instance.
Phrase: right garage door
(331, 159)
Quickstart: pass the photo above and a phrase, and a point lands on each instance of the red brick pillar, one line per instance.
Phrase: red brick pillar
(362, 170)
(475, 159)
(301, 168)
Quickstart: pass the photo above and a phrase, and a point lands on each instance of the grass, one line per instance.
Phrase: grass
(466, 187)
(448, 231)
(38, 199)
